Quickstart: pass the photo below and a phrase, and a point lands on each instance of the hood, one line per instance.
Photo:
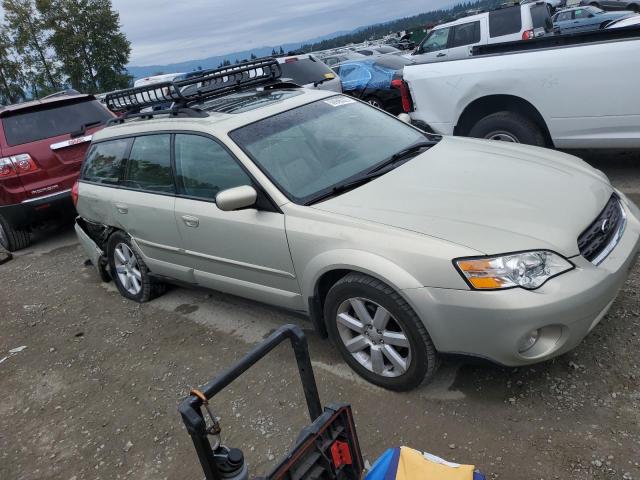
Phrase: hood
(493, 197)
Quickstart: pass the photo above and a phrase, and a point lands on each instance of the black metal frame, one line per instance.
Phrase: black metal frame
(211, 84)
(191, 408)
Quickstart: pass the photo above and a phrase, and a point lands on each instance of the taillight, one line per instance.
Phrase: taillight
(17, 164)
(407, 102)
(528, 35)
(74, 193)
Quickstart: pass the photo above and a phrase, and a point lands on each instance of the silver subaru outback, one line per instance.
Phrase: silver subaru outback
(398, 244)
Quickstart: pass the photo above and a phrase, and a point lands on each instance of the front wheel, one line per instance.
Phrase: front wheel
(508, 127)
(378, 333)
(129, 271)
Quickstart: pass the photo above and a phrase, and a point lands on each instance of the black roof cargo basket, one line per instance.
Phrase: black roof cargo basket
(211, 84)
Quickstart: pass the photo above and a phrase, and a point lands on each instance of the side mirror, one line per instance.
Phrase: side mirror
(236, 198)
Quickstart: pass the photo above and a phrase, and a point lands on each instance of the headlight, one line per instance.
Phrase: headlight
(526, 269)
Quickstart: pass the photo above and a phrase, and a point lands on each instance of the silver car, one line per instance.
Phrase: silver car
(398, 244)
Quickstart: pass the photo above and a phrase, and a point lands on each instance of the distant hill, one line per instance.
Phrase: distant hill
(332, 40)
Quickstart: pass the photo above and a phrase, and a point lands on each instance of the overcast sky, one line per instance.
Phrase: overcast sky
(169, 31)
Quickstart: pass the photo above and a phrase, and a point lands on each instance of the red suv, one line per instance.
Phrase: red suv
(42, 145)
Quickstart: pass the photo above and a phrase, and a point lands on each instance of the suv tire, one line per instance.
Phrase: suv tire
(509, 127)
(12, 239)
(373, 346)
(129, 272)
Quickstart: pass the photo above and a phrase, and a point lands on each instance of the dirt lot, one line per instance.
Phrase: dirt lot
(94, 393)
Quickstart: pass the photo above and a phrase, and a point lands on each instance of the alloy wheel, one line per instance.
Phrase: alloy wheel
(374, 103)
(502, 136)
(127, 269)
(373, 337)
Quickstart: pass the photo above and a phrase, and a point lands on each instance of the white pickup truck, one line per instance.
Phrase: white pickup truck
(577, 91)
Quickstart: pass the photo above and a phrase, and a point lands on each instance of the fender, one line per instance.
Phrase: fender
(359, 261)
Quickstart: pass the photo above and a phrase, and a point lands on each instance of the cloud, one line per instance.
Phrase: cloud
(169, 31)
(166, 31)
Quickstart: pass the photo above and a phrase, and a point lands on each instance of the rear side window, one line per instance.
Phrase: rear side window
(540, 17)
(505, 21)
(149, 164)
(305, 70)
(466, 34)
(104, 160)
(204, 168)
(53, 120)
(563, 17)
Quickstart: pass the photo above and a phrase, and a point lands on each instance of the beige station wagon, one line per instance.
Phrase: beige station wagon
(398, 244)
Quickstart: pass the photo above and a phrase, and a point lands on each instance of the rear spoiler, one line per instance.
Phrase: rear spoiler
(555, 41)
(31, 106)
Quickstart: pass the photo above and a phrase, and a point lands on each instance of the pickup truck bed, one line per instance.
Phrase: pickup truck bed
(565, 91)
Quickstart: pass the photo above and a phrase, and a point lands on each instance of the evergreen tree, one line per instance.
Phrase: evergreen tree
(253, 56)
(11, 80)
(281, 51)
(30, 37)
(86, 37)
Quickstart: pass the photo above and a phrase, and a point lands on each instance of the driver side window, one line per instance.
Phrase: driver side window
(437, 40)
(204, 167)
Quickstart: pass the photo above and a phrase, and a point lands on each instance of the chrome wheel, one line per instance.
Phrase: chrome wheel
(127, 269)
(502, 137)
(373, 337)
(374, 103)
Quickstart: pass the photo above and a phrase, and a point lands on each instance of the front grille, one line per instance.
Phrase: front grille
(597, 241)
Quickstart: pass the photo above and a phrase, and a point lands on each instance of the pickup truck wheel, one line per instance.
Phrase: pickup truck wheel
(13, 239)
(378, 334)
(508, 127)
(129, 272)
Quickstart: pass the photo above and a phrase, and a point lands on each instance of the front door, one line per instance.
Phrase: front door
(434, 47)
(242, 252)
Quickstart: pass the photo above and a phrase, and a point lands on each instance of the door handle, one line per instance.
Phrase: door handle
(191, 221)
(441, 55)
(123, 209)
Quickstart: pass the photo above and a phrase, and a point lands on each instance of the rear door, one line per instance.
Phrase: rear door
(463, 38)
(56, 136)
(144, 204)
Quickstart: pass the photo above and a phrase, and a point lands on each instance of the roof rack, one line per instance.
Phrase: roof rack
(211, 84)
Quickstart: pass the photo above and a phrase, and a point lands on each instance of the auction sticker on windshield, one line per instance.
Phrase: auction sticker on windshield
(338, 101)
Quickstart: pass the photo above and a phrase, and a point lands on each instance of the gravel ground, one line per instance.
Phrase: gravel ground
(95, 391)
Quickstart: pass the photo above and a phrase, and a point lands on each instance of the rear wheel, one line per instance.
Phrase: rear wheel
(378, 334)
(374, 102)
(595, 4)
(13, 239)
(129, 272)
(508, 127)
(634, 8)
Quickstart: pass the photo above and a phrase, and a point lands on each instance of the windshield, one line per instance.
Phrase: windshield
(304, 71)
(311, 149)
(53, 119)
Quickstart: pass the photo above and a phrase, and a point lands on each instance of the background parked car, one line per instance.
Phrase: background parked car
(633, 5)
(340, 56)
(454, 40)
(583, 19)
(553, 5)
(309, 71)
(402, 43)
(42, 145)
(379, 50)
(370, 80)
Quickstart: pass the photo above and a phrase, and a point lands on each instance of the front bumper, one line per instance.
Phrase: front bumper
(38, 209)
(491, 324)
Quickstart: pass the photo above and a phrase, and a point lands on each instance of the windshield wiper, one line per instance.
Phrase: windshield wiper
(402, 154)
(83, 128)
(375, 172)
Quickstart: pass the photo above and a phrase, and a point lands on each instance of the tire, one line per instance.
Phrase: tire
(403, 327)
(594, 4)
(13, 239)
(634, 8)
(129, 272)
(510, 127)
